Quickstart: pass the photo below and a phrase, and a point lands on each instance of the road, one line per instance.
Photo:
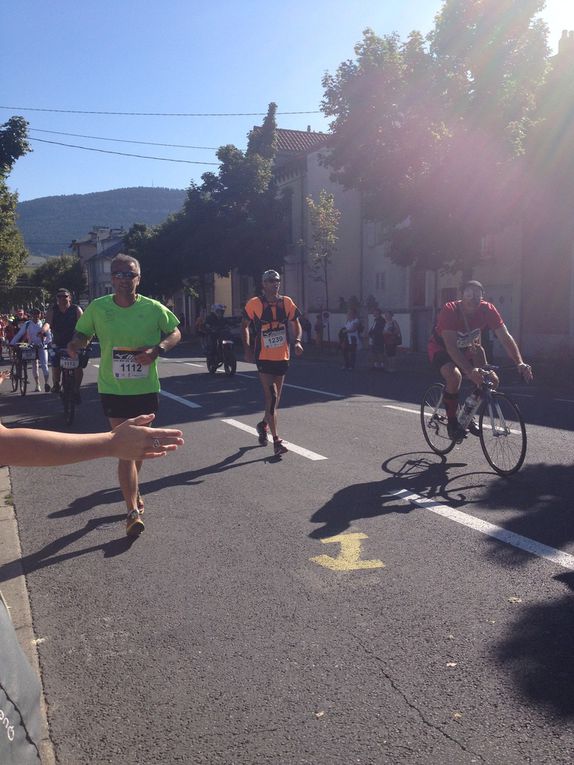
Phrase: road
(316, 609)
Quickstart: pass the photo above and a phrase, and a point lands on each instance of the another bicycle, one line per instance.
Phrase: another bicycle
(501, 427)
(25, 353)
(68, 392)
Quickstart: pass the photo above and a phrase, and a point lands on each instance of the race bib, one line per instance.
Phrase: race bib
(125, 367)
(468, 339)
(274, 338)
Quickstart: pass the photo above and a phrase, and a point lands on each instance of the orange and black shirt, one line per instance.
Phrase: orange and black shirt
(270, 326)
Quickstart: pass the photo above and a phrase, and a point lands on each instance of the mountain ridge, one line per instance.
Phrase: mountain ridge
(49, 224)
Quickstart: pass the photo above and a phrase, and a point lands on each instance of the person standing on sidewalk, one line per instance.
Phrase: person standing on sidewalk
(130, 328)
(268, 318)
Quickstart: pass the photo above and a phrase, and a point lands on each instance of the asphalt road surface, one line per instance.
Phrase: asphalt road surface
(316, 609)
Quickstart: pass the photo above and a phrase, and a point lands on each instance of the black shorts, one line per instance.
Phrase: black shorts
(275, 368)
(125, 407)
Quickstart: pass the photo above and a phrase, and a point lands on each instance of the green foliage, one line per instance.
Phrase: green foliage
(13, 253)
(324, 218)
(432, 131)
(232, 220)
(64, 271)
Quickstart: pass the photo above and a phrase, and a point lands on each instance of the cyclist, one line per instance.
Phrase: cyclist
(455, 348)
(61, 319)
(32, 332)
(215, 328)
(268, 318)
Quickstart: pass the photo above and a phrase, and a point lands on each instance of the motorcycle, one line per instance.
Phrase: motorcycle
(223, 355)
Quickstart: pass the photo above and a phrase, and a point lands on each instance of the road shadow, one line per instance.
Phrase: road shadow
(540, 497)
(187, 478)
(423, 473)
(538, 653)
(51, 554)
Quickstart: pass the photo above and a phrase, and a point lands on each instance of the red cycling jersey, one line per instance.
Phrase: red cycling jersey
(467, 326)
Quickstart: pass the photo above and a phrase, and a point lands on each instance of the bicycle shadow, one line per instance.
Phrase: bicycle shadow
(423, 473)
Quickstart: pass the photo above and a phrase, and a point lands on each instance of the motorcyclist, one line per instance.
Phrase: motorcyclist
(216, 328)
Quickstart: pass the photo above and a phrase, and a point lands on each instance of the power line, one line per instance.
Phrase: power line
(124, 140)
(154, 114)
(123, 153)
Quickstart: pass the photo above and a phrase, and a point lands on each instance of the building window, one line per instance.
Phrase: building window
(380, 281)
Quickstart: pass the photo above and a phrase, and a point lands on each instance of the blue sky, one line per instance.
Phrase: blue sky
(176, 56)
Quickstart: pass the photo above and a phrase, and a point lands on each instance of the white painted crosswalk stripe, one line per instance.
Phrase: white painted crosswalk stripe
(180, 400)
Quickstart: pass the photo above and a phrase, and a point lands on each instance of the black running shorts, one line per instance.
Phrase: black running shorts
(125, 407)
(275, 368)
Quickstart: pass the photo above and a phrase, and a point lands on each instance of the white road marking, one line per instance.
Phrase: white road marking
(299, 387)
(180, 400)
(489, 529)
(564, 400)
(292, 447)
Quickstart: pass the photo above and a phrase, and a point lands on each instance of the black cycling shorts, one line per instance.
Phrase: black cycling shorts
(275, 368)
(126, 407)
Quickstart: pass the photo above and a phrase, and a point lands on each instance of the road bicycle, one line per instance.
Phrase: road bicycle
(68, 394)
(19, 369)
(501, 428)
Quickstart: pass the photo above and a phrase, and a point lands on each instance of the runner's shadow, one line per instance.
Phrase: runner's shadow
(51, 554)
(189, 477)
(422, 473)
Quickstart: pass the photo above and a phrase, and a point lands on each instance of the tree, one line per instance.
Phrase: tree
(13, 253)
(232, 220)
(63, 271)
(431, 131)
(324, 218)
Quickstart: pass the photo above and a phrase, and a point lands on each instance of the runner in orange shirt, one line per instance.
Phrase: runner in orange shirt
(265, 334)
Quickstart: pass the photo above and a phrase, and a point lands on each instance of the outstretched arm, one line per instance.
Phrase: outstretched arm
(129, 441)
(513, 352)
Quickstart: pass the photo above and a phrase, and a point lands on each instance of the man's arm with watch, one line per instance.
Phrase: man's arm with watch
(149, 355)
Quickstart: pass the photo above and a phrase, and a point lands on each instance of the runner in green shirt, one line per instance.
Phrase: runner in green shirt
(130, 328)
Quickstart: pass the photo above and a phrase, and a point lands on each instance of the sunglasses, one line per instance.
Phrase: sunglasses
(125, 274)
(272, 281)
(62, 297)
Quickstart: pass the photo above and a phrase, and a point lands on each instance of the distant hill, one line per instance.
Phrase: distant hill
(49, 224)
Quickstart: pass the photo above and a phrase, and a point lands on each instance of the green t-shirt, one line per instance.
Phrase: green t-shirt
(120, 332)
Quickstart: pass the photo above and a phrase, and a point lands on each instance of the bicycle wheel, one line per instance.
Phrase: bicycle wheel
(14, 376)
(434, 420)
(23, 378)
(212, 365)
(502, 434)
(68, 398)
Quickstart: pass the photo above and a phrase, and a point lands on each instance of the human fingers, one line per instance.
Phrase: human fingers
(142, 419)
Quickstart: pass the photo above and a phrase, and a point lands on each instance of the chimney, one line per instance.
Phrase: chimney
(308, 128)
(566, 43)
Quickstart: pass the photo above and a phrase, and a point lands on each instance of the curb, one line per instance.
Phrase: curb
(16, 596)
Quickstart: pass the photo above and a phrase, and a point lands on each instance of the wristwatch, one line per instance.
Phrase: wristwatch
(160, 351)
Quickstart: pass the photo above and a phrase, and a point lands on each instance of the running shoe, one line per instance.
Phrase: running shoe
(37, 390)
(134, 524)
(279, 447)
(263, 432)
(140, 503)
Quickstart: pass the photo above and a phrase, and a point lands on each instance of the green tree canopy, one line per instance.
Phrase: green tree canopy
(324, 218)
(63, 271)
(432, 130)
(13, 253)
(232, 220)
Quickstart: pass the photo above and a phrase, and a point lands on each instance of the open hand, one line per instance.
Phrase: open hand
(132, 440)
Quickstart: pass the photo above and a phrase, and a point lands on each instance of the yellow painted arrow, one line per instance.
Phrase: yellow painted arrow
(349, 558)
